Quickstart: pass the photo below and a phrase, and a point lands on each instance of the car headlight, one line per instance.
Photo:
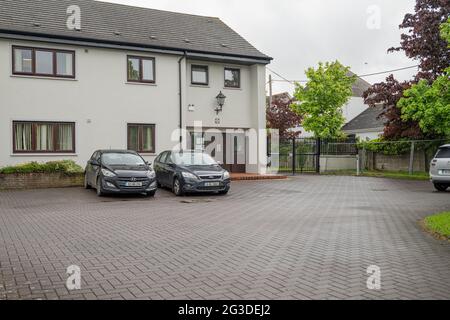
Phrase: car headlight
(108, 173)
(189, 175)
(151, 174)
(226, 175)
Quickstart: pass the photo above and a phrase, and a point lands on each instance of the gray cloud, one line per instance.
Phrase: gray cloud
(300, 33)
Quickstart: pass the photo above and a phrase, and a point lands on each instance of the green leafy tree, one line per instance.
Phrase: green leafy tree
(429, 104)
(320, 101)
(445, 32)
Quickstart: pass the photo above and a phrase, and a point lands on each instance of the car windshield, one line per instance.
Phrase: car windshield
(124, 159)
(193, 159)
(443, 153)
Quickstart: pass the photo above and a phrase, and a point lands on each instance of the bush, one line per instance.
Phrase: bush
(64, 166)
(399, 147)
(386, 147)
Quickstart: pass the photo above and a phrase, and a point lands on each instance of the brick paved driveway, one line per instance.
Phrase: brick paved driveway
(306, 238)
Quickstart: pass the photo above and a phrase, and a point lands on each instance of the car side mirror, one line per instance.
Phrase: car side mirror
(94, 163)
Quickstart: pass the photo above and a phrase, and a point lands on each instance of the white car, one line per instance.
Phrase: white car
(440, 168)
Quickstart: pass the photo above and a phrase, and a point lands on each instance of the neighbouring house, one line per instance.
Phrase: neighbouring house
(368, 125)
(126, 77)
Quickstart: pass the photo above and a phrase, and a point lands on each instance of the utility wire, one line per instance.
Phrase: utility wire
(360, 76)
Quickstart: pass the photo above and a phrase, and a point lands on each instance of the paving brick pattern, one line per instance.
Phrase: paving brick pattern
(304, 238)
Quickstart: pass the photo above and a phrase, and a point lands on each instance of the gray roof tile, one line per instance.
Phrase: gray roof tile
(368, 119)
(137, 26)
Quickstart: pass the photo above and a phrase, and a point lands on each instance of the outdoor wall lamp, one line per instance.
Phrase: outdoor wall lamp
(220, 102)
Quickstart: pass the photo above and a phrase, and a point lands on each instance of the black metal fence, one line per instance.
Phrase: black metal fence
(302, 155)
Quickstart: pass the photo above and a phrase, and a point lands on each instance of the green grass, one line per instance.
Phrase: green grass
(65, 166)
(439, 224)
(384, 174)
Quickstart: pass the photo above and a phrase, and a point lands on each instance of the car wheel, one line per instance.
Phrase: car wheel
(151, 194)
(86, 183)
(100, 192)
(177, 188)
(441, 187)
(158, 184)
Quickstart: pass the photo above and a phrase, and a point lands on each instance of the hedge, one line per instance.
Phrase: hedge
(64, 166)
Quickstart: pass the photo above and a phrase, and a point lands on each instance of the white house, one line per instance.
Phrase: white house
(368, 125)
(81, 75)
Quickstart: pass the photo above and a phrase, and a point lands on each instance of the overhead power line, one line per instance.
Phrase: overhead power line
(283, 79)
(388, 71)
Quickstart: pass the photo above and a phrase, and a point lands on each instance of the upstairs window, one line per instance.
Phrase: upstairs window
(43, 137)
(141, 69)
(199, 75)
(43, 62)
(232, 78)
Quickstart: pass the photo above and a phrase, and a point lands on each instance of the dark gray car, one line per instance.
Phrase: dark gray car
(191, 172)
(119, 171)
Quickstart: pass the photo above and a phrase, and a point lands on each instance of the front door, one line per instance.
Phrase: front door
(229, 149)
(235, 152)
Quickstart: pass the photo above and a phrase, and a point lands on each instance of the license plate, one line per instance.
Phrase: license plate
(133, 184)
(212, 184)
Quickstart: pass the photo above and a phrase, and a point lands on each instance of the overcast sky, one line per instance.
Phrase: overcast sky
(300, 33)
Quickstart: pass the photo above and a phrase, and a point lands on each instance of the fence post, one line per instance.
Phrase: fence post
(294, 151)
(358, 170)
(364, 159)
(411, 159)
(318, 146)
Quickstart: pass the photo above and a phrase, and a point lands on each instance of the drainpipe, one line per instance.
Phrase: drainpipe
(181, 98)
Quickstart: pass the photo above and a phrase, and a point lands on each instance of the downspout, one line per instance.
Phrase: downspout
(181, 98)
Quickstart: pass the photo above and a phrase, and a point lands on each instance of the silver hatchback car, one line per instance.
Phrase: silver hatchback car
(440, 168)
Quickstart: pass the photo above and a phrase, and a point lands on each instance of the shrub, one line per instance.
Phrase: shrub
(64, 166)
(399, 147)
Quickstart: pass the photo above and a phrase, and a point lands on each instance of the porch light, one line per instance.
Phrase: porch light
(220, 102)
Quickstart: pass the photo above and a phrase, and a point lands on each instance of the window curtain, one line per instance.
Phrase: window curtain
(22, 60)
(44, 137)
(133, 138)
(23, 137)
(148, 139)
(64, 64)
(65, 137)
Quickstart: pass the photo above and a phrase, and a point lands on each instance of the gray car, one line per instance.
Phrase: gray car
(191, 172)
(440, 168)
(119, 172)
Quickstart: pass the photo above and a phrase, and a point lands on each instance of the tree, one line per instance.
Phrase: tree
(427, 104)
(320, 102)
(421, 42)
(280, 116)
(389, 93)
(445, 32)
